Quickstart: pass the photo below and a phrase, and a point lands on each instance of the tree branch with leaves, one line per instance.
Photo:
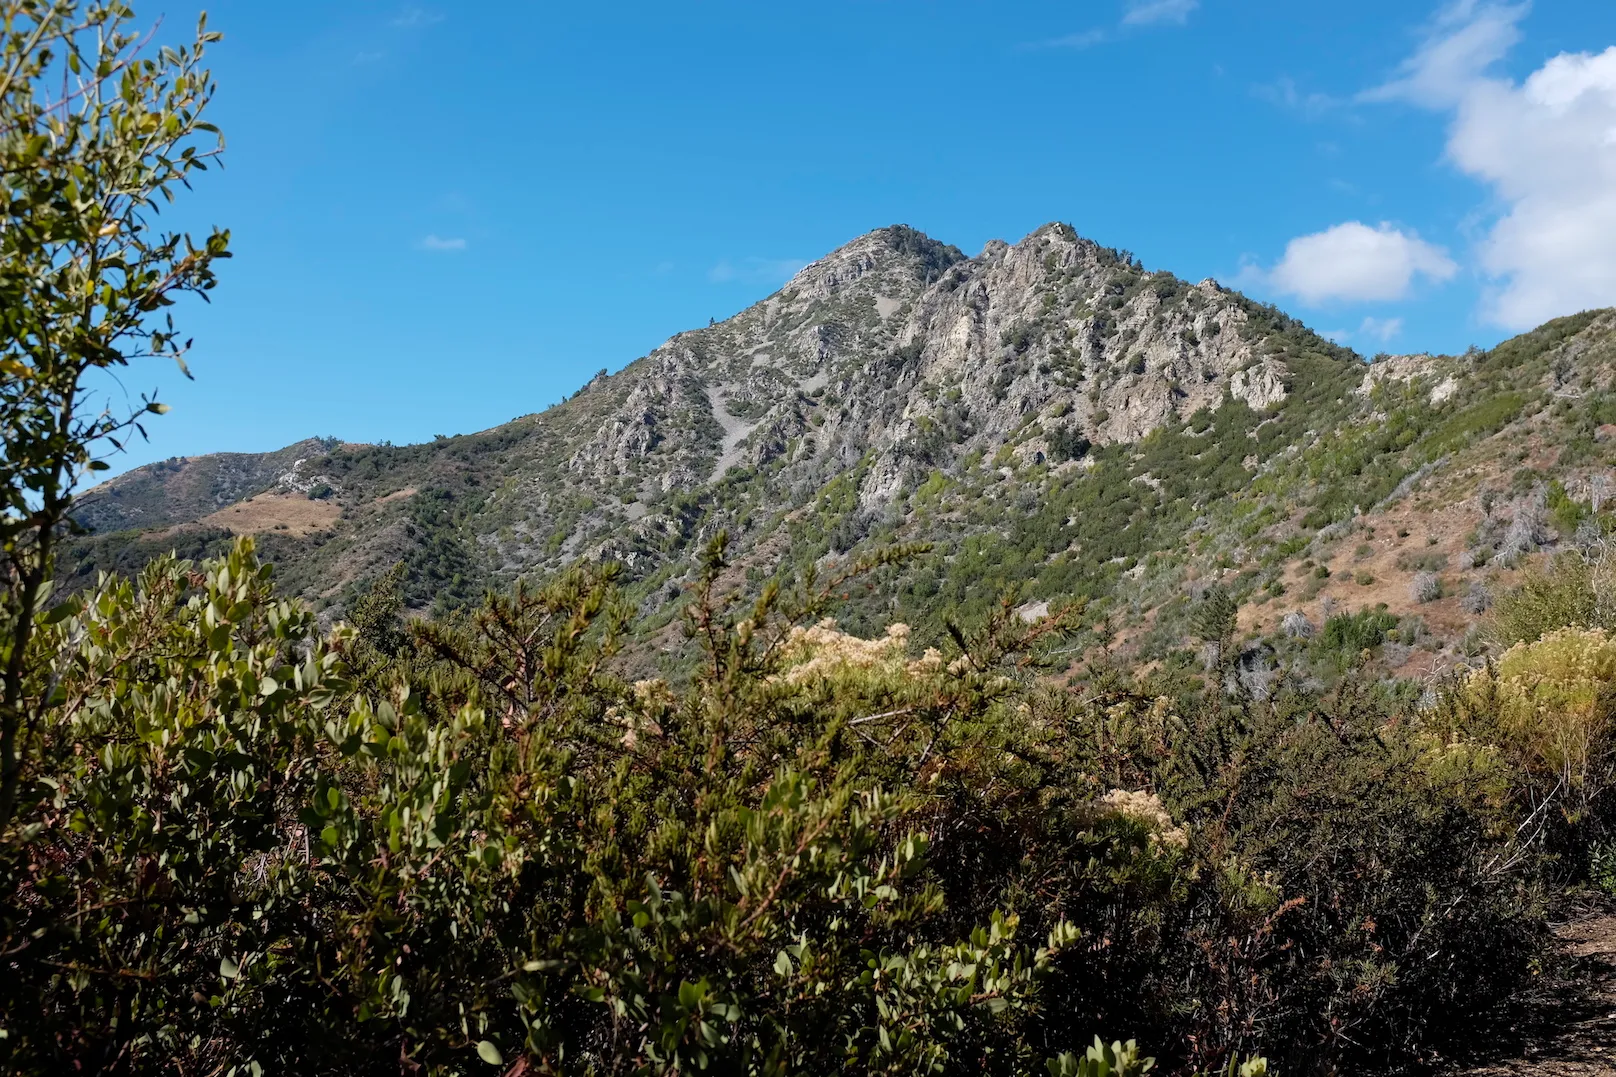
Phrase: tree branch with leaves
(101, 128)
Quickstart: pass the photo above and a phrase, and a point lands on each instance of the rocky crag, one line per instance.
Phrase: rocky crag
(1055, 421)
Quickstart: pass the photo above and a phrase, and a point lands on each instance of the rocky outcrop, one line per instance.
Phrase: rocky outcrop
(889, 361)
(1259, 387)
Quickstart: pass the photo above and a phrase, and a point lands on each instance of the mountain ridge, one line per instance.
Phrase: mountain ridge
(896, 389)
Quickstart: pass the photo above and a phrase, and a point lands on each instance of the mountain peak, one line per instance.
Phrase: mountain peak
(1048, 414)
(896, 251)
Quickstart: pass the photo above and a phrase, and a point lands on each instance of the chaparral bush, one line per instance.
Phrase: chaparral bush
(810, 854)
(233, 841)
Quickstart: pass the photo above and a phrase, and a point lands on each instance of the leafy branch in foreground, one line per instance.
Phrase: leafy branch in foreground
(99, 129)
(225, 834)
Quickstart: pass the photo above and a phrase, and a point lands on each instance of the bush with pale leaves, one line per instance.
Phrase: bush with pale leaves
(824, 652)
(1553, 702)
(1146, 808)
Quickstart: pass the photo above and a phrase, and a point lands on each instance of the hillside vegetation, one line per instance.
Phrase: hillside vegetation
(1053, 420)
(470, 843)
(1005, 665)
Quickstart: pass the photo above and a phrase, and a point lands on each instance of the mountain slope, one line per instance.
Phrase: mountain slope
(1052, 418)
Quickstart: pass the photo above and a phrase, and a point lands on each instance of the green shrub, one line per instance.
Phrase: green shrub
(1565, 592)
(814, 853)
(500, 861)
(1552, 699)
(1350, 633)
(1602, 867)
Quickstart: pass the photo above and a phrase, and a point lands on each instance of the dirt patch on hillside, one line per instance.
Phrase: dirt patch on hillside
(1368, 570)
(290, 514)
(1377, 564)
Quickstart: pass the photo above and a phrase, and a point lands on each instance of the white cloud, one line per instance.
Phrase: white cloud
(1284, 93)
(755, 270)
(1353, 261)
(1381, 329)
(414, 18)
(1464, 39)
(1547, 149)
(443, 243)
(1150, 12)
(1134, 13)
(1378, 330)
(1084, 40)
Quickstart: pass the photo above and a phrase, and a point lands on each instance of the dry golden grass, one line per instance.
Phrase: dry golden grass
(291, 514)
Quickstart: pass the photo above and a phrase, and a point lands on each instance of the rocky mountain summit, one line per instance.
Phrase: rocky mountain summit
(1053, 419)
(900, 349)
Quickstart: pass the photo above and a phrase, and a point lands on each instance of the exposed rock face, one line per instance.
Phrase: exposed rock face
(1057, 326)
(900, 350)
(890, 360)
(1260, 387)
(299, 481)
(1404, 369)
(901, 353)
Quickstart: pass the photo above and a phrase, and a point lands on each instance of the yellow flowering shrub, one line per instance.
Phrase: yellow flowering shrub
(1146, 809)
(824, 652)
(1552, 699)
(1472, 771)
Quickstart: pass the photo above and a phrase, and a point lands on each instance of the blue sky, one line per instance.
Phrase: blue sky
(447, 215)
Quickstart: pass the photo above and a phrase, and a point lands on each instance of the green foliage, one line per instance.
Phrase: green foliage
(1564, 510)
(441, 568)
(1067, 443)
(97, 133)
(1567, 591)
(1215, 615)
(506, 857)
(152, 877)
(1347, 634)
(1102, 1060)
(469, 840)
(1602, 867)
(1487, 417)
(1549, 703)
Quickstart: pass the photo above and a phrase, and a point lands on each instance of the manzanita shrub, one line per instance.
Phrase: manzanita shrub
(244, 844)
(225, 860)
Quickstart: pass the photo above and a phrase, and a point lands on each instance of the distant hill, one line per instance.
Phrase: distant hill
(1057, 422)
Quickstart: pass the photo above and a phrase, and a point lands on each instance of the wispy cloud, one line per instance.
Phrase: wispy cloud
(1378, 331)
(1151, 12)
(1381, 329)
(1545, 146)
(1461, 43)
(443, 243)
(1086, 39)
(1284, 93)
(755, 270)
(416, 18)
(1135, 14)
